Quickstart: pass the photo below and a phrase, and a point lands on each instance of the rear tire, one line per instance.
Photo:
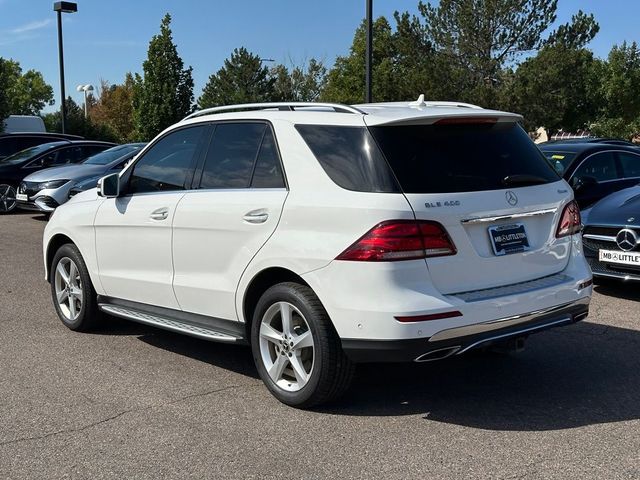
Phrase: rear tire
(297, 351)
(72, 292)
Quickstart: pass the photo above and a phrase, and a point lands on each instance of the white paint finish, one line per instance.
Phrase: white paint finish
(76, 223)
(362, 299)
(216, 252)
(213, 244)
(134, 251)
(475, 265)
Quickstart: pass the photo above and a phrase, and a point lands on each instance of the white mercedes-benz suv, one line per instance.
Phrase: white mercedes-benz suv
(324, 235)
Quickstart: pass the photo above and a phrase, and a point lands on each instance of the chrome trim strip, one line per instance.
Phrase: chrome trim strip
(512, 334)
(505, 322)
(535, 213)
(604, 238)
(165, 323)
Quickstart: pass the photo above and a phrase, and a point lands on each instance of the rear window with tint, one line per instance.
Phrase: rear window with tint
(462, 158)
(350, 157)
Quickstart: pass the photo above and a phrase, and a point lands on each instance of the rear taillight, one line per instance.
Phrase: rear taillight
(400, 240)
(570, 221)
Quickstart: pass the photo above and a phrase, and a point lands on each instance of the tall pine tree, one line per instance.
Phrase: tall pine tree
(164, 95)
(242, 79)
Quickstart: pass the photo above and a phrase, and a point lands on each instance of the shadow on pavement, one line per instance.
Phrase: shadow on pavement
(569, 377)
(619, 289)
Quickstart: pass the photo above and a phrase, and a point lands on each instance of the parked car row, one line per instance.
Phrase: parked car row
(40, 169)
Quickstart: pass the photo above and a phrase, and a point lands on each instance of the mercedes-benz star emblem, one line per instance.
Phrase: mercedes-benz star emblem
(512, 198)
(627, 239)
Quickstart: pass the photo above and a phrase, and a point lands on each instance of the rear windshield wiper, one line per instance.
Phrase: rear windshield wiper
(523, 179)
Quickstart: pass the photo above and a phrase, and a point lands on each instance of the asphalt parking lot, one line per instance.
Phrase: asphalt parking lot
(135, 402)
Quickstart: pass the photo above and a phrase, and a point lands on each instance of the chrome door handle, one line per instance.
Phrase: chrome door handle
(160, 214)
(256, 216)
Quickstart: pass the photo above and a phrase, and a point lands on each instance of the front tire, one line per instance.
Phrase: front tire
(297, 352)
(72, 292)
(8, 200)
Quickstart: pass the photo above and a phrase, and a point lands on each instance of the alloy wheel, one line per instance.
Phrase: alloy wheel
(7, 198)
(68, 287)
(286, 346)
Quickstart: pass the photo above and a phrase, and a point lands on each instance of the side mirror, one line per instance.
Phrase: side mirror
(109, 186)
(580, 183)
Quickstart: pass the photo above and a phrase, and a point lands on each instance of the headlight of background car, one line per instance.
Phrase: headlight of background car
(52, 184)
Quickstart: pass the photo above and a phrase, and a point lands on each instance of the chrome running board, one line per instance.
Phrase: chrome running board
(199, 331)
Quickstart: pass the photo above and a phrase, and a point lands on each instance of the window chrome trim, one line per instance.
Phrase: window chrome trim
(534, 213)
(615, 152)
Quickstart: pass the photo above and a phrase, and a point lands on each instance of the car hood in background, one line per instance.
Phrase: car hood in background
(66, 172)
(617, 209)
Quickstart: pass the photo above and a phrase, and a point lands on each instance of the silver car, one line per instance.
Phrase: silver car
(47, 189)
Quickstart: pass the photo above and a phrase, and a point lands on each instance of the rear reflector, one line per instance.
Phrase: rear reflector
(570, 220)
(433, 316)
(400, 240)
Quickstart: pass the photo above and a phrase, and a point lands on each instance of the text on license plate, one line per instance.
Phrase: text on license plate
(22, 197)
(507, 239)
(616, 256)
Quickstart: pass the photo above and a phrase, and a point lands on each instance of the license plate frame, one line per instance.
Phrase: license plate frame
(619, 257)
(22, 197)
(508, 239)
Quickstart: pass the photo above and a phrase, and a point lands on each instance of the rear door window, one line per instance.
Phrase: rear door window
(268, 171)
(630, 163)
(462, 157)
(232, 155)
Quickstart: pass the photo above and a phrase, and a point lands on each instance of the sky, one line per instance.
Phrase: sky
(106, 39)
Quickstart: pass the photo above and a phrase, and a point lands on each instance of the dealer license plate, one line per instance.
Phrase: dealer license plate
(506, 239)
(617, 256)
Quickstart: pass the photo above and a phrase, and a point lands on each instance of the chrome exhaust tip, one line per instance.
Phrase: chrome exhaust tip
(439, 354)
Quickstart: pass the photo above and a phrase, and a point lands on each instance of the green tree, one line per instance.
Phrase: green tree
(620, 115)
(481, 39)
(555, 89)
(22, 93)
(301, 83)
(345, 81)
(114, 108)
(164, 94)
(77, 124)
(242, 79)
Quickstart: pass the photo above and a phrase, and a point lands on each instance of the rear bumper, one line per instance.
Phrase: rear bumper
(457, 340)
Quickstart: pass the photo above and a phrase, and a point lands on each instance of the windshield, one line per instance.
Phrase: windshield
(559, 160)
(26, 154)
(462, 158)
(108, 156)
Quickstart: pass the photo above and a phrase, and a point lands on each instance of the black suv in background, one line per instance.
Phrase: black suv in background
(14, 142)
(17, 166)
(594, 169)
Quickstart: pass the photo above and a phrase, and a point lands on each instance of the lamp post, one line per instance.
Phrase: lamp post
(60, 8)
(369, 54)
(85, 89)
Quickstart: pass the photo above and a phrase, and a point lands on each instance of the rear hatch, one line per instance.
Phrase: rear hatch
(486, 182)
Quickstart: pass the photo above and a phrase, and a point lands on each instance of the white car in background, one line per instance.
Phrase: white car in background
(324, 235)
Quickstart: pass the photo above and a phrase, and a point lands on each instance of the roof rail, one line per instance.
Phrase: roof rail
(286, 106)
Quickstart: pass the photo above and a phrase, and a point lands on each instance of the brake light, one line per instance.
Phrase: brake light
(570, 220)
(467, 121)
(400, 240)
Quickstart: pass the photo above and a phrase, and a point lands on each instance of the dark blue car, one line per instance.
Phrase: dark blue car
(611, 236)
